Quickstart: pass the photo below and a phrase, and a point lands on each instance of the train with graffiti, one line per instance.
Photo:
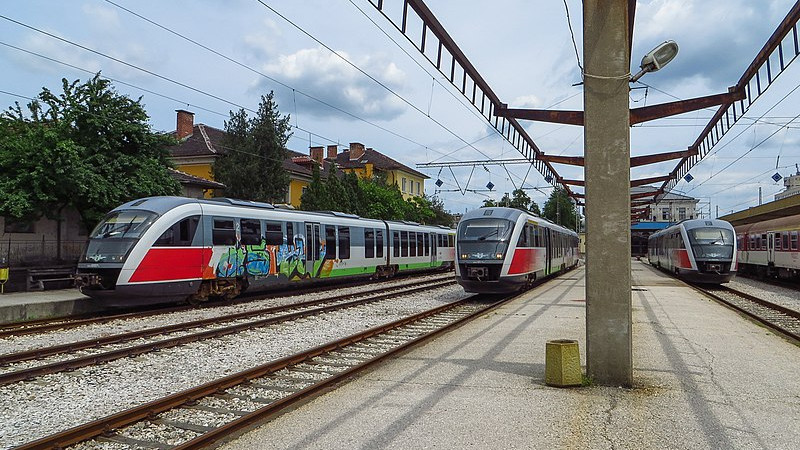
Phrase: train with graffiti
(174, 249)
(502, 250)
(697, 250)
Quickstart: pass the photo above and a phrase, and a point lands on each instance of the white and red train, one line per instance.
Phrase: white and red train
(698, 250)
(170, 249)
(501, 250)
(770, 248)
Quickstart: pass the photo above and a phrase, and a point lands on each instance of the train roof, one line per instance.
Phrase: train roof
(779, 224)
(691, 224)
(161, 205)
(510, 214)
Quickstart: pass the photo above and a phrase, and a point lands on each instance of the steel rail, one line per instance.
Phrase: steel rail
(150, 410)
(43, 325)
(791, 314)
(149, 332)
(88, 360)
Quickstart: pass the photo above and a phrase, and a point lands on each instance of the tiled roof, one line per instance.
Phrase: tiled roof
(377, 159)
(204, 141)
(185, 178)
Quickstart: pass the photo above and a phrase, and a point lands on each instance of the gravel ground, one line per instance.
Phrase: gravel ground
(58, 337)
(51, 403)
(786, 297)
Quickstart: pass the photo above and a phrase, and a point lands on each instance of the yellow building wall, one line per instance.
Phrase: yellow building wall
(296, 191)
(361, 172)
(199, 170)
(397, 176)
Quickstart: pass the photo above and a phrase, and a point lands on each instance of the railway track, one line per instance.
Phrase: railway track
(779, 318)
(109, 348)
(45, 325)
(197, 417)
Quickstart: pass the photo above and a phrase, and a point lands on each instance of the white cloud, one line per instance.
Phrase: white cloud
(101, 17)
(327, 77)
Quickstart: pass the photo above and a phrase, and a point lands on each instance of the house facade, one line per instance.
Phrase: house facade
(367, 162)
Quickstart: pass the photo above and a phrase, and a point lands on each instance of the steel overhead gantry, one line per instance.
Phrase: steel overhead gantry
(451, 62)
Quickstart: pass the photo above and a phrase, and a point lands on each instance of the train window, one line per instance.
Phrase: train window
(420, 246)
(763, 242)
(404, 243)
(274, 235)
(523, 237)
(396, 243)
(427, 243)
(251, 231)
(181, 234)
(451, 240)
(777, 238)
(330, 242)
(369, 243)
(344, 242)
(794, 240)
(379, 243)
(290, 233)
(412, 241)
(439, 240)
(223, 233)
(785, 240)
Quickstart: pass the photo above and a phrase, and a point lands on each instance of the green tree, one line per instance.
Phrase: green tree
(519, 200)
(559, 209)
(88, 148)
(315, 196)
(252, 167)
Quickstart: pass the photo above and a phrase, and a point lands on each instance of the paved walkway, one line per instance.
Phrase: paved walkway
(705, 378)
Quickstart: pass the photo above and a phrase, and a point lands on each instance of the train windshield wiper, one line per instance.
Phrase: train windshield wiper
(491, 233)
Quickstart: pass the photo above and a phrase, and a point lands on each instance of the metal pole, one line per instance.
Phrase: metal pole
(606, 55)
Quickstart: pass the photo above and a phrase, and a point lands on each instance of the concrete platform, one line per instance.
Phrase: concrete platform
(22, 306)
(705, 378)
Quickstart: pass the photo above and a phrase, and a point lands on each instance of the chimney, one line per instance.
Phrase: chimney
(316, 154)
(185, 124)
(356, 150)
(333, 150)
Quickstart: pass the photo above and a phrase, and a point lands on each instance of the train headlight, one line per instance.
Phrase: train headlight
(464, 256)
(498, 256)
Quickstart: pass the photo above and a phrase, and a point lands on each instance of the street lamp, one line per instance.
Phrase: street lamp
(657, 58)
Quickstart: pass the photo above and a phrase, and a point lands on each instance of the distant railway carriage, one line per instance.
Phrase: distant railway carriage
(169, 249)
(698, 250)
(770, 248)
(502, 250)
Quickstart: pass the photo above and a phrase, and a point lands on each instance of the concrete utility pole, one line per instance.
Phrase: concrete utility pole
(607, 154)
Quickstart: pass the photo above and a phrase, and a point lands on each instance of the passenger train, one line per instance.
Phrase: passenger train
(697, 250)
(770, 248)
(502, 250)
(171, 249)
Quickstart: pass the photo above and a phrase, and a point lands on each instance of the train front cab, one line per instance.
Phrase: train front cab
(482, 243)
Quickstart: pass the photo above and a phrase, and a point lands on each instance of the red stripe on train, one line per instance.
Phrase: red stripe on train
(681, 258)
(524, 261)
(164, 264)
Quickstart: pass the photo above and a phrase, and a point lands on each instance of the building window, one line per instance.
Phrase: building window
(681, 213)
(404, 184)
(665, 214)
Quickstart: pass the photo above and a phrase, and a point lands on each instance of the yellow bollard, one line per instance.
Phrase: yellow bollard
(562, 363)
(3, 279)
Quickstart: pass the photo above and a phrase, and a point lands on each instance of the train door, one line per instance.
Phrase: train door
(312, 247)
(432, 238)
(771, 247)
(548, 251)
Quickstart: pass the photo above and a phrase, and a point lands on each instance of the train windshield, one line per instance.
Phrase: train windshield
(116, 234)
(484, 238)
(484, 230)
(711, 242)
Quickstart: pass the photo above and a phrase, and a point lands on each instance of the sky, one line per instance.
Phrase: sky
(344, 73)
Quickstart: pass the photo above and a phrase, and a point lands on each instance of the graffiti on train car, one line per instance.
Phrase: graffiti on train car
(263, 260)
